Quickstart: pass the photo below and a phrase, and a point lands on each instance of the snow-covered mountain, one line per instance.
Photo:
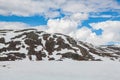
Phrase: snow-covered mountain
(31, 44)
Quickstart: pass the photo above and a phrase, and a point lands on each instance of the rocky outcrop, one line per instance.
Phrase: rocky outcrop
(38, 45)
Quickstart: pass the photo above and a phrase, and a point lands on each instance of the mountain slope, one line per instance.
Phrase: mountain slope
(37, 45)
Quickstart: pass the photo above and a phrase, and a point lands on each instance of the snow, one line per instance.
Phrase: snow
(64, 51)
(2, 45)
(38, 48)
(43, 41)
(55, 55)
(3, 55)
(23, 50)
(100, 57)
(33, 57)
(56, 46)
(8, 36)
(83, 47)
(56, 70)
(20, 39)
(59, 70)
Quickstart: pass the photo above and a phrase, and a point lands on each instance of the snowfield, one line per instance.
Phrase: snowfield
(60, 70)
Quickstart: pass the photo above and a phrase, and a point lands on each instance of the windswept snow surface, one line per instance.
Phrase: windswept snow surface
(52, 70)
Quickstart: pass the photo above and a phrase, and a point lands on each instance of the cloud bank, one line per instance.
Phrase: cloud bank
(75, 12)
(111, 30)
(49, 7)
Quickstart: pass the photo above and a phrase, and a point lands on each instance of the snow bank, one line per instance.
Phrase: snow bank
(52, 70)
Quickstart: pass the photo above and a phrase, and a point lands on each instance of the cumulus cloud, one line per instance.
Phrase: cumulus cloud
(64, 26)
(75, 12)
(82, 33)
(111, 32)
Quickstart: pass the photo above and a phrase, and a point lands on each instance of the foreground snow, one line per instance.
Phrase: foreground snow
(58, 70)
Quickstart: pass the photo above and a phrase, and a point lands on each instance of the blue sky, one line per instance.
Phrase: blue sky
(37, 20)
(31, 20)
(78, 13)
(41, 20)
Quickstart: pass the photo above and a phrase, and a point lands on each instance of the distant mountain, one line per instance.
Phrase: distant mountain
(31, 44)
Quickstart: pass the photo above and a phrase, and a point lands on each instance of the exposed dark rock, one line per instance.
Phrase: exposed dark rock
(3, 49)
(2, 40)
(4, 59)
(39, 56)
(85, 53)
(45, 36)
(28, 40)
(12, 45)
(73, 56)
(72, 41)
(50, 45)
(13, 57)
(32, 35)
(24, 30)
(114, 48)
(50, 59)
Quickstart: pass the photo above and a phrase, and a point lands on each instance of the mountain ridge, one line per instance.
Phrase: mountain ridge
(33, 44)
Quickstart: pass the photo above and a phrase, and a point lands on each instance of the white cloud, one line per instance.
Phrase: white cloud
(87, 6)
(77, 17)
(74, 6)
(52, 14)
(25, 7)
(42, 7)
(75, 12)
(82, 33)
(102, 16)
(19, 25)
(64, 26)
(13, 25)
(111, 32)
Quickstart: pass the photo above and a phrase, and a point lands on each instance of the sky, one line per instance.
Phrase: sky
(93, 21)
